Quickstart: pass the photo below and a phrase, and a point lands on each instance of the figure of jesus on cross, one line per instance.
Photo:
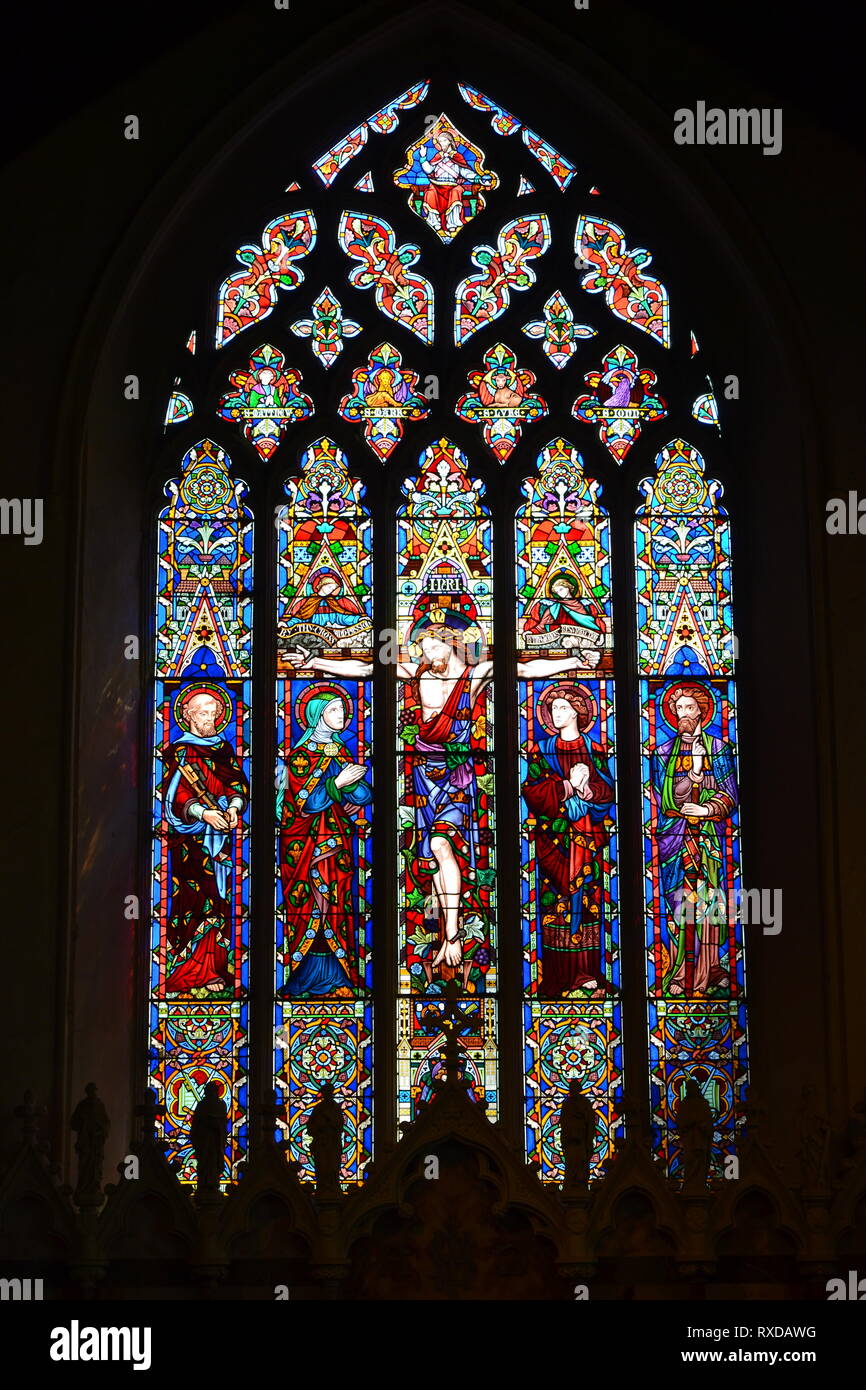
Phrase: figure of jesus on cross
(441, 708)
(442, 703)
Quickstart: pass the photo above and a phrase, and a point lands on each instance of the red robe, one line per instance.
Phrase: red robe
(569, 891)
(317, 857)
(439, 197)
(199, 918)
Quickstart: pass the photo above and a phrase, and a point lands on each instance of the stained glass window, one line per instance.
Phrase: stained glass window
(568, 859)
(324, 804)
(445, 803)
(200, 895)
(692, 876)
(491, 720)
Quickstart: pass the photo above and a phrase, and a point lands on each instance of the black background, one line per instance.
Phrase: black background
(61, 57)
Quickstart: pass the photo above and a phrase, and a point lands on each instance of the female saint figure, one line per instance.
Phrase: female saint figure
(570, 793)
(322, 793)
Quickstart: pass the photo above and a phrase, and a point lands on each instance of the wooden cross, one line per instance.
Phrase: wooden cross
(454, 1022)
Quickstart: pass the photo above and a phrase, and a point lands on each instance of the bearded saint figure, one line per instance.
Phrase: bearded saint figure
(448, 172)
(204, 794)
(694, 783)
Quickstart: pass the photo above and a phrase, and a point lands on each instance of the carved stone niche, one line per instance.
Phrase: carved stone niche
(269, 1250)
(635, 1248)
(452, 1237)
(148, 1247)
(757, 1249)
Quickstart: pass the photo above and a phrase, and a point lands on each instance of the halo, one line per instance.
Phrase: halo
(221, 696)
(314, 692)
(567, 690)
(571, 580)
(708, 705)
(325, 572)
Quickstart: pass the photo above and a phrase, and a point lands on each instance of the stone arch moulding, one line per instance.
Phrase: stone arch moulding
(205, 205)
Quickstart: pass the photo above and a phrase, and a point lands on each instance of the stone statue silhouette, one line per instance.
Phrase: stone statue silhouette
(577, 1126)
(90, 1124)
(813, 1129)
(694, 1120)
(208, 1130)
(325, 1128)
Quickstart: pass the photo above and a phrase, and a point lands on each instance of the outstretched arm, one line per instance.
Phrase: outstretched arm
(331, 666)
(548, 666)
